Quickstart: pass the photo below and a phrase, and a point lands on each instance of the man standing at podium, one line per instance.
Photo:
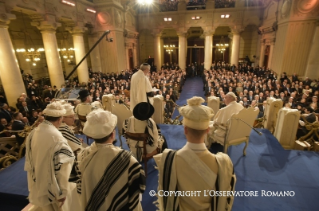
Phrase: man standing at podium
(141, 87)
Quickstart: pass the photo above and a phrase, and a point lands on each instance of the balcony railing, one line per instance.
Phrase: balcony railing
(224, 3)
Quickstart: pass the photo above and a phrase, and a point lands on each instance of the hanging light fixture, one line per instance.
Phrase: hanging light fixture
(222, 45)
(31, 55)
(66, 53)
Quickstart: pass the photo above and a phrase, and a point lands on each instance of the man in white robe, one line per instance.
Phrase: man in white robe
(49, 160)
(111, 178)
(193, 168)
(141, 86)
(218, 125)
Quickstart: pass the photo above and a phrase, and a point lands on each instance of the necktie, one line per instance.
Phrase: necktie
(26, 109)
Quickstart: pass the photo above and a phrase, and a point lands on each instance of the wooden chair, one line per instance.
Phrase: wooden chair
(142, 137)
(214, 103)
(271, 113)
(122, 112)
(237, 130)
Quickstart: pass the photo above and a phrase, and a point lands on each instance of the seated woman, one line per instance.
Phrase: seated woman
(141, 122)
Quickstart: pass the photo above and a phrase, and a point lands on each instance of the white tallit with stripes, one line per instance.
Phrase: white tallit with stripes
(46, 152)
(111, 179)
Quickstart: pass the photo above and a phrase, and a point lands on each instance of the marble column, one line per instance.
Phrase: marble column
(262, 55)
(109, 51)
(157, 50)
(313, 61)
(79, 50)
(181, 50)
(95, 54)
(135, 56)
(271, 53)
(208, 49)
(48, 30)
(9, 70)
(235, 49)
(127, 55)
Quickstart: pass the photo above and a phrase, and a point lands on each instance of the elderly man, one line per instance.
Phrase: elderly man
(66, 130)
(141, 88)
(111, 178)
(217, 126)
(193, 168)
(141, 122)
(48, 163)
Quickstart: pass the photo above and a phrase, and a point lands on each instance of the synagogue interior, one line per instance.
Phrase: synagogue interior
(261, 53)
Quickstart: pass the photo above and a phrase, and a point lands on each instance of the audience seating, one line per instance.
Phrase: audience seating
(271, 113)
(286, 127)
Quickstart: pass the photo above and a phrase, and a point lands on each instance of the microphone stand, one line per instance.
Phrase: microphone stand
(259, 133)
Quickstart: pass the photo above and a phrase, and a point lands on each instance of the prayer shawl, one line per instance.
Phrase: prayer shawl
(111, 179)
(68, 134)
(48, 164)
(167, 167)
(75, 145)
(155, 139)
(140, 85)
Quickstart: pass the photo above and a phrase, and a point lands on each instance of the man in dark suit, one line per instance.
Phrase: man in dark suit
(26, 109)
(307, 117)
(18, 125)
(5, 113)
(49, 93)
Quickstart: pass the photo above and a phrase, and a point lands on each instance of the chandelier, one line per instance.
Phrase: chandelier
(30, 54)
(222, 45)
(67, 54)
(169, 48)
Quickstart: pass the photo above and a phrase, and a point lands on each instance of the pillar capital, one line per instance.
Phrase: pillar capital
(157, 32)
(209, 31)
(181, 33)
(5, 18)
(78, 28)
(45, 26)
(236, 29)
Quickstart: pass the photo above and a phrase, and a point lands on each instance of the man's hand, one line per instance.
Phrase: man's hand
(62, 201)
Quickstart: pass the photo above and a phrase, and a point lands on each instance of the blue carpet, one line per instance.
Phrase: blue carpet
(267, 166)
(192, 87)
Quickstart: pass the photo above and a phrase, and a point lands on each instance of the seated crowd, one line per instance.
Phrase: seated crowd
(168, 81)
(109, 178)
(253, 86)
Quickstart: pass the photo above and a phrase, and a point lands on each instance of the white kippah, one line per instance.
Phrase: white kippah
(54, 109)
(69, 109)
(195, 115)
(99, 124)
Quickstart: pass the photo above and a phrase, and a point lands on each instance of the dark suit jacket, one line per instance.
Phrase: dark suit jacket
(18, 125)
(6, 115)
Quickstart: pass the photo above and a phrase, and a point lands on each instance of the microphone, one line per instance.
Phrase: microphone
(259, 133)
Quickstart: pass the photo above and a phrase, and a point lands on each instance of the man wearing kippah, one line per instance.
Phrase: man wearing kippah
(193, 168)
(111, 178)
(141, 87)
(48, 162)
(217, 132)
